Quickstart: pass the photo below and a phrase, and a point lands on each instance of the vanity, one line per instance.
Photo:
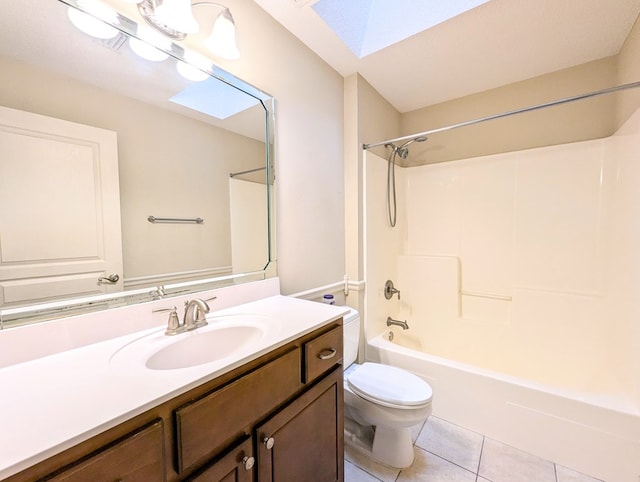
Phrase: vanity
(271, 410)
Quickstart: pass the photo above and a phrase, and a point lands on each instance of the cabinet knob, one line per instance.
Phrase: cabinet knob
(268, 442)
(248, 463)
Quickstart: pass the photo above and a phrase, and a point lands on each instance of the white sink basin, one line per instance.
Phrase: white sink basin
(221, 340)
(199, 348)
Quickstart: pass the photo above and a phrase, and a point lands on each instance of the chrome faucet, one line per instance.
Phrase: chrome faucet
(194, 314)
(403, 324)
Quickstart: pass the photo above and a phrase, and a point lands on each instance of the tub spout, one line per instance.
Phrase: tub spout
(403, 324)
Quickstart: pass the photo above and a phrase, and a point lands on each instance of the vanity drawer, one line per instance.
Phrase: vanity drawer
(136, 457)
(205, 426)
(322, 353)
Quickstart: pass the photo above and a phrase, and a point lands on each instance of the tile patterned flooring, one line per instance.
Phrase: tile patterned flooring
(445, 452)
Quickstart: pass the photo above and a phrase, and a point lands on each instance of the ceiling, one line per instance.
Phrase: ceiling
(495, 44)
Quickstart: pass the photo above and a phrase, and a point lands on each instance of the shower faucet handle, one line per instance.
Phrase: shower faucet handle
(389, 290)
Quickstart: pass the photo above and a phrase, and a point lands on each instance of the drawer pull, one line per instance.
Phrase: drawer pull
(268, 442)
(327, 354)
(248, 463)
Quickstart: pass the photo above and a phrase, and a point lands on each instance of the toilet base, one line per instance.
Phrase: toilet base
(392, 447)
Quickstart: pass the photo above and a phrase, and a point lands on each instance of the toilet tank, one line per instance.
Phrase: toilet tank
(351, 331)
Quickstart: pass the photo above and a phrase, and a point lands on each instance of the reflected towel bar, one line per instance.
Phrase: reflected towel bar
(153, 219)
(234, 174)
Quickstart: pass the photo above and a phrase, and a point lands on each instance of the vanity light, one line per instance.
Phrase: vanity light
(197, 68)
(174, 18)
(177, 15)
(222, 41)
(149, 45)
(94, 24)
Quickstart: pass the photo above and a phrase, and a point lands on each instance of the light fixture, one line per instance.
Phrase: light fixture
(96, 21)
(150, 45)
(174, 18)
(196, 69)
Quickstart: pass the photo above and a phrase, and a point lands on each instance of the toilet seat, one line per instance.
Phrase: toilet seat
(389, 386)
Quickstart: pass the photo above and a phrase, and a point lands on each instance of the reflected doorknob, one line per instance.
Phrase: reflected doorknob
(111, 279)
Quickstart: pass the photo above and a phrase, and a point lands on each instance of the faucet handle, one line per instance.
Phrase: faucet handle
(173, 325)
(390, 290)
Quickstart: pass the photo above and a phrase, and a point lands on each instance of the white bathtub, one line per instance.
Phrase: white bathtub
(594, 433)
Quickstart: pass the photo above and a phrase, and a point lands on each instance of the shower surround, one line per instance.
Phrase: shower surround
(525, 267)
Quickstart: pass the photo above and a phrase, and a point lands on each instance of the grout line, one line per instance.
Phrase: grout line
(555, 471)
(480, 458)
(446, 460)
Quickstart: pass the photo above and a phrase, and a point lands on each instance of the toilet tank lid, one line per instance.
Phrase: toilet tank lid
(352, 315)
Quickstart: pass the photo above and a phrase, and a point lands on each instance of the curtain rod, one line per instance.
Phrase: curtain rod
(609, 90)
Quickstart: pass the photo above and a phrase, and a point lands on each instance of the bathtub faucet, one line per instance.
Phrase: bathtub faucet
(403, 324)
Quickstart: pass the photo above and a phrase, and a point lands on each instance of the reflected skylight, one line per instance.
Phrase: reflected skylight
(367, 26)
(214, 98)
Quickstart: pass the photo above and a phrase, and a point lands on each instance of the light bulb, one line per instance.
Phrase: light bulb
(222, 41)
(195, 68)
(93, 23)
(177, 15)
(149, 45)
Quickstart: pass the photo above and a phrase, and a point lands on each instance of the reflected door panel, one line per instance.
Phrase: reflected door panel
(58, 190)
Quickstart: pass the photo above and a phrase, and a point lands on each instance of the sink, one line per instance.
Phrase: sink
(221, 339)
(200, 348)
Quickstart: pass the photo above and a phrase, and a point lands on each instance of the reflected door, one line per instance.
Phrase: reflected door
(59, 209)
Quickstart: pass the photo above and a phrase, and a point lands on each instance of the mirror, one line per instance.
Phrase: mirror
(193, 161)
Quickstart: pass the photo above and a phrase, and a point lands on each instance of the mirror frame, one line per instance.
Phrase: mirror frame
(27, 314)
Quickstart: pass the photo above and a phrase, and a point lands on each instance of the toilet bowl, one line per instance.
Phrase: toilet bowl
(382, 403)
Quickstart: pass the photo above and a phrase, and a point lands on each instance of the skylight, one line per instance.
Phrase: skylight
(367, 26)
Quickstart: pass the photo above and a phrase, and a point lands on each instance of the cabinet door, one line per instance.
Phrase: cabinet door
(138, 457)
(305, 441)
(236, 466)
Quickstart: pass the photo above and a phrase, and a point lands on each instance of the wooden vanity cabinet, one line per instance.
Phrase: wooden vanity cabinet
(304, 441)
(238, 465)
(278, 418)
(137, 457)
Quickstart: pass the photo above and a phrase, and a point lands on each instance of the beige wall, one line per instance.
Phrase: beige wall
(589, 119)
(367, 116)
(165, 163)
(309, 143)
(309, 146)
(629, 71)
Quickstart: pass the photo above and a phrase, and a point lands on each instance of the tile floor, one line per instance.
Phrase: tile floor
(445, 452)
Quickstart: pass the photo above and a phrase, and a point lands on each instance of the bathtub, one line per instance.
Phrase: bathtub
(594, 433)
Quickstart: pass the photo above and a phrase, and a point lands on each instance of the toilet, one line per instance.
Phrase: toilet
(381, 403)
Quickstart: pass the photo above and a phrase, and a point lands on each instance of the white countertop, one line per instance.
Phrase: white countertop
(52, 403)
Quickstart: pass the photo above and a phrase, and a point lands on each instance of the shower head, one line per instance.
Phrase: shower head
(411, 141)
(403, 150)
